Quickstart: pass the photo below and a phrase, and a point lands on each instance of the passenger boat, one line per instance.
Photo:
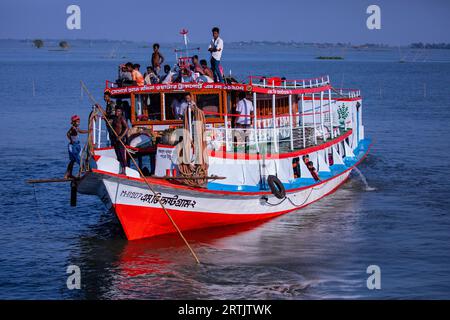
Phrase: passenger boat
(260, 176)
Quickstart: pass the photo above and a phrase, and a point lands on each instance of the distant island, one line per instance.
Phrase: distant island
(421, 45)
(309, 44)
(329, 58)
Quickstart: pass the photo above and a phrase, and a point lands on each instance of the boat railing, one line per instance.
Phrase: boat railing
(99, 133)
(274, 83)
(277, 139)
(281, 132)
(110, 84)
(280, 83)
(346, 93)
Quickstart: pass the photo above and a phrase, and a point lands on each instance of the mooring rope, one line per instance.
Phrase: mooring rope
(140, 172)
(292, 202)
(185, 167)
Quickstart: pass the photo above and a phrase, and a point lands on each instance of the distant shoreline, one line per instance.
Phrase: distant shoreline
(415, 45)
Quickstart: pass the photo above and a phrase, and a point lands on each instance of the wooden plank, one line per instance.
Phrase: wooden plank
(50, 180)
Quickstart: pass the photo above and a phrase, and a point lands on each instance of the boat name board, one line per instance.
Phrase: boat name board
(158, 198)
(178, 86)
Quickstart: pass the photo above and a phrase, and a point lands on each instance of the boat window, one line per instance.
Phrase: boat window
(148, 107)
(209, 103)
(170, 99)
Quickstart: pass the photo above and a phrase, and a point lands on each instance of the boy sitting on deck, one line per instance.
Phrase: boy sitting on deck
(74, 146)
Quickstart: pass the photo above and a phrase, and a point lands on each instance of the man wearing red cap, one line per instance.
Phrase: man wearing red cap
(74, 146)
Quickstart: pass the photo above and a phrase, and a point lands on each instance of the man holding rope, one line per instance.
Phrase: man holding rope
(120, 126)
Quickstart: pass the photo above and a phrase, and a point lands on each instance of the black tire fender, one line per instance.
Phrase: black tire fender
(276, 187)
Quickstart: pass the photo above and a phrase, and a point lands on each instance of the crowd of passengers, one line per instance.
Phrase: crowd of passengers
(189, 69)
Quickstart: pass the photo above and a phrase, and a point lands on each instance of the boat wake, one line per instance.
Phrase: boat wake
(364, 181)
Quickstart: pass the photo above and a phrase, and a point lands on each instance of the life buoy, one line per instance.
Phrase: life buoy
(276, 187)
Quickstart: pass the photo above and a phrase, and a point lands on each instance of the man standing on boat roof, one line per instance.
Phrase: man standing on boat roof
(216, 49)
(157, 58)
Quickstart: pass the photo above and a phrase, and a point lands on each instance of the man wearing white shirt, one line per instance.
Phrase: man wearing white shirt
(216, 49)
(245, 109)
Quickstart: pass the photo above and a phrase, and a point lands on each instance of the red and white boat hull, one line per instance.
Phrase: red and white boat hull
(142, 216)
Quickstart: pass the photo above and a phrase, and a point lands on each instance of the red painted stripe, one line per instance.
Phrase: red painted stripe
(282, 91)
(177, 87)
(334, 98)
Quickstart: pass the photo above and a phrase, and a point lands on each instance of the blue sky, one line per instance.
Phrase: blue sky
(402, 21)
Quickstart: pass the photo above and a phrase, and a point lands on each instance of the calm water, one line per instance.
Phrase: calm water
(320, 252)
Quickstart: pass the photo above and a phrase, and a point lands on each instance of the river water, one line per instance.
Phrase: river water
(401, 223)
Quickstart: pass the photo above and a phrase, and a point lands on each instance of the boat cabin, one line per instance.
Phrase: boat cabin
(289, 114)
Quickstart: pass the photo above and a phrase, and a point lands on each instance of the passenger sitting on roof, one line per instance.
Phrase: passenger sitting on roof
(312, 170)
(187, 75)
(136, 74)
(125, 77)
(196, 67)
(150, 76)
(208, 72)
(168, 76)
(200, 71)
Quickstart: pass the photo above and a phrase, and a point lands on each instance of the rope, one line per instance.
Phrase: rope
(140, 172)
(300, 205)
(292, 202)
(38, 209)
(199, 169)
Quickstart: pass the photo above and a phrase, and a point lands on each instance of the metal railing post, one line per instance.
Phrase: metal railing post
(275, 137)
(314, 118)
(290, 122)
(99, 132)
(303, 119)
(321, 117)
(331, 113)
(255, 122)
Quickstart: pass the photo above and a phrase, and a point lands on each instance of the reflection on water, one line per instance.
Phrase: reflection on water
(245, 261)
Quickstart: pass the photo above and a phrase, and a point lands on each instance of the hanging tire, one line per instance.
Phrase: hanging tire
(276, 187)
